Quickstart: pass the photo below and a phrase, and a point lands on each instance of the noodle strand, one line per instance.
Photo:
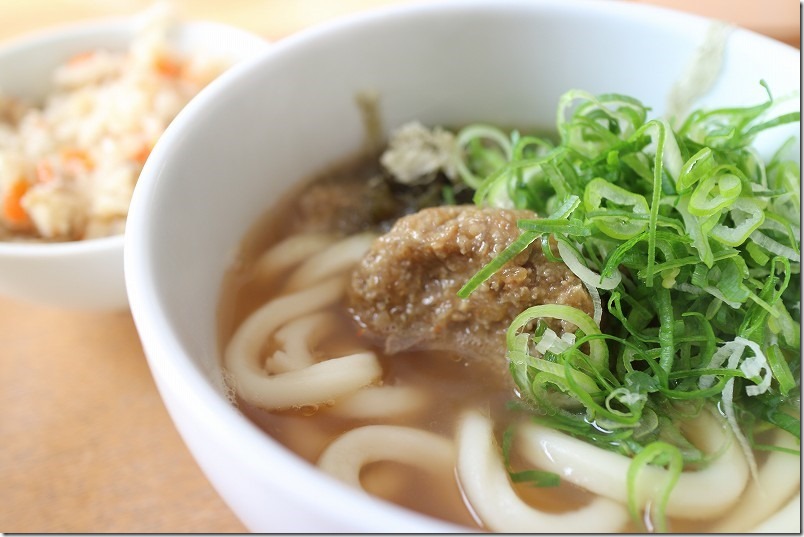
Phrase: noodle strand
(297, 339)
(487, 486)
(350, 452)
(778, 478)
(698, 494)
(289, 253)
(299, 382)
(337, 258)
(380, 401)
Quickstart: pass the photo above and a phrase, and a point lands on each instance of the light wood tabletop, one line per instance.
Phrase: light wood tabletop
(87, 445)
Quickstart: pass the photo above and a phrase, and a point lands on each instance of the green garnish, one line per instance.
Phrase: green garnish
(688, 240)
(665, 454)
(536, 478)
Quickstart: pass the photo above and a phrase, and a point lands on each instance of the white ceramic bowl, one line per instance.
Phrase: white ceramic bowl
(85, 274)
(290, 112)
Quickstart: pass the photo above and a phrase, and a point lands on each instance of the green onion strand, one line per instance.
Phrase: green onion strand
(689, 241)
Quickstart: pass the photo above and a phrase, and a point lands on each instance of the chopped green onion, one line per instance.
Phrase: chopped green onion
(618, 227)
(697, 167)
(479, 158)
(536, 478)
(670, 456)
(747, 215)
(598, 350)
(727, 186)
(688, 241)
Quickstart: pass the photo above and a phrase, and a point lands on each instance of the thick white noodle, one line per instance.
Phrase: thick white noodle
(787, 520)
(487, 487)
(340, 256)
(321, 382)
(697, 495)
(777, 480)
(380, 401)
(242, 354)
(296, 341)
(318, 384)
(350, 452)
(289, 253)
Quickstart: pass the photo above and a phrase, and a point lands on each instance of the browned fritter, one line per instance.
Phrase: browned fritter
(404, 291)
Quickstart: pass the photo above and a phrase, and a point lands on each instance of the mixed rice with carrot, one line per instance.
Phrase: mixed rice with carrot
(68, 165)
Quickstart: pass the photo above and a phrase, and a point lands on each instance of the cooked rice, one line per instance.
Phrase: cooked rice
(68, 165)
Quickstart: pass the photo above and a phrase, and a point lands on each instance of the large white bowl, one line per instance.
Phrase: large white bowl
(290, 112)
(86, 274)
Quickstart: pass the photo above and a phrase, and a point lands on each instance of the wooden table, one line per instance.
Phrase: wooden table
(87, 445)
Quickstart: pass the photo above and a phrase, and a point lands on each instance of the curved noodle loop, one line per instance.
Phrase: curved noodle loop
(296, 340)
(698, 494)
(381, 401)
(786, 520)
(339, 257)
(350, 452)
(289, 253)
(296, 380)
(778, 479)
(486, 484)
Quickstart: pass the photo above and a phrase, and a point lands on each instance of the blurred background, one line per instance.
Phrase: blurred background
(274, 19)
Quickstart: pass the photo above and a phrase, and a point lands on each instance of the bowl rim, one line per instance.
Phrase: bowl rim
(166, 354)
(66, 30)
(43, 249)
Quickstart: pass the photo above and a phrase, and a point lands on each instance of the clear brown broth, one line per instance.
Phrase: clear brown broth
(453, 384)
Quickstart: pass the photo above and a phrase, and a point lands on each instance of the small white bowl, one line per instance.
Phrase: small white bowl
(289, 113)
(86, 274)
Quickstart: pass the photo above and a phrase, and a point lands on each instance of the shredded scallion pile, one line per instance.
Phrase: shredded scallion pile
(689, 244)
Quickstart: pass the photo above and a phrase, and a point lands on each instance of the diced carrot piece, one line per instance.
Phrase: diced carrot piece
(13, 211)
(143, 153)
(167, 66)
(77, 159)
(81, 57)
